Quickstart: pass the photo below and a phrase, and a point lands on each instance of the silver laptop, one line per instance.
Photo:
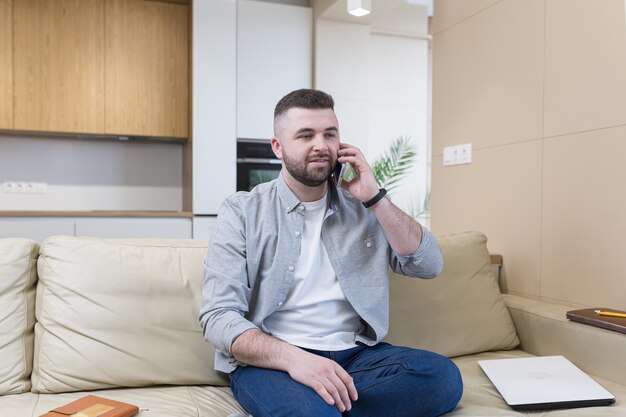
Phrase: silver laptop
(544, 382)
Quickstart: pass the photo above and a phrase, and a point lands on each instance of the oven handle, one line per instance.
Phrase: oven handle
(258, 161)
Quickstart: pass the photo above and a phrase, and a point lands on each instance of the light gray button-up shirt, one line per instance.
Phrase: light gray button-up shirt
(254, 249)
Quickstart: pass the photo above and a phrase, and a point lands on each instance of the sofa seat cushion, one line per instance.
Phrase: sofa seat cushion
(19, 405)
(120, 313)
(158, 401)
(458, 313)
(480, 397)
(18, 276)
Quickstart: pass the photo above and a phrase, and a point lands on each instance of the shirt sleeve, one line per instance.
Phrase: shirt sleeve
(225, 293)
(425, 262)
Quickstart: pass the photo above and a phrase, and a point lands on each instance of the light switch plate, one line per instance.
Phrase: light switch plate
(457, 155)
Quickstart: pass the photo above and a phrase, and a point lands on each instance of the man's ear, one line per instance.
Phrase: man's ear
(276, 148)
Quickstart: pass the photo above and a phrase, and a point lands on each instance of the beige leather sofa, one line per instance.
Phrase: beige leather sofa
(118, 318)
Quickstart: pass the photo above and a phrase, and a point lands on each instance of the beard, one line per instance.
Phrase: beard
(310, 177)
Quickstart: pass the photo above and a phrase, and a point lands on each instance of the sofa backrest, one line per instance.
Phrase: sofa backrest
(124, 313)
(18, 276)
(116, 313)
(459, 313)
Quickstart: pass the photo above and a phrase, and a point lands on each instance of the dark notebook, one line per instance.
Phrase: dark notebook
(589, 316)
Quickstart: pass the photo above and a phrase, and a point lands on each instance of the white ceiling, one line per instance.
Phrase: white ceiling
(380, 8)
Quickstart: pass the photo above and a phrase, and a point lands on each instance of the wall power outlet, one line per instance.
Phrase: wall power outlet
(21, 187)
(457, 155)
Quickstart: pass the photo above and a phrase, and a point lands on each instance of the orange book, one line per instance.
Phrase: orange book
(92, 406)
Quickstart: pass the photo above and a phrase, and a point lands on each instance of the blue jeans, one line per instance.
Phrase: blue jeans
(391, 381)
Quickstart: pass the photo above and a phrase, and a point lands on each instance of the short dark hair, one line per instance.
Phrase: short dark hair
(304, 98)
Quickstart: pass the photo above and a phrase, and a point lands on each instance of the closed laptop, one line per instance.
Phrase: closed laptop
(544, 382)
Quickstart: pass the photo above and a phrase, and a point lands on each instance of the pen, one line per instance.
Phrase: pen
(610, 314)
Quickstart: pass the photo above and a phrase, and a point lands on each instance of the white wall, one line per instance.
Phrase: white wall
(342, 69)
(92, 174)
(399, 93)
(378, 75)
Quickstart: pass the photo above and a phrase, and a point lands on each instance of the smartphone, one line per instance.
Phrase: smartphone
(338, 173)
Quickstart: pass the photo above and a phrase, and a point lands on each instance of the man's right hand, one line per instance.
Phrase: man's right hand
(326, 377)
(323, 375)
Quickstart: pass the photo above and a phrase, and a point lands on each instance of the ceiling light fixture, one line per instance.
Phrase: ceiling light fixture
(359, 8)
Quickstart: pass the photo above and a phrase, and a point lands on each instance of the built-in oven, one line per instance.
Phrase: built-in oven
(256, 163)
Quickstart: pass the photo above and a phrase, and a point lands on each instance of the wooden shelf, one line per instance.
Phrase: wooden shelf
(97, 213)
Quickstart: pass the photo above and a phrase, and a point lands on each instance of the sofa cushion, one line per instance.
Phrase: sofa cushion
(120, 313)
(18, 276)
(157, 401)
(459, 313)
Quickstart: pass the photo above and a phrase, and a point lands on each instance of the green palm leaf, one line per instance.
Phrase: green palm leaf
(394, 164)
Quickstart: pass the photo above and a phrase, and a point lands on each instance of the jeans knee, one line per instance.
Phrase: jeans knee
(451, 384)
(443, 382)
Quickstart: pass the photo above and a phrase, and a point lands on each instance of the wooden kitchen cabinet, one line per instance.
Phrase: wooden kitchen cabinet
(118, 67)
(59, 65)
(6, 65)
(147, 68)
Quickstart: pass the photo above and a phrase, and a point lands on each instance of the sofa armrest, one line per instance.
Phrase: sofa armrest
(543, 329)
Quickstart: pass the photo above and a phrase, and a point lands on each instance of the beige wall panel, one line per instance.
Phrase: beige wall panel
(59, 65)
(498, 194)
(585, 65)
(447, 13)
(6, 65)
(584, 226)
(487, 77)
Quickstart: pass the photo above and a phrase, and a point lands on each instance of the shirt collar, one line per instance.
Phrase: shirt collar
(289, 201)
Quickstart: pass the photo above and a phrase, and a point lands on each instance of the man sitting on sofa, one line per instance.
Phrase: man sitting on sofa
(295, 297)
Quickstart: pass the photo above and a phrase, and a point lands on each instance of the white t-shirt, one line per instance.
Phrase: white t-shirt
(316, 313)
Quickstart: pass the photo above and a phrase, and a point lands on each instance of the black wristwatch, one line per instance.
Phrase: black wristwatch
(381, 193)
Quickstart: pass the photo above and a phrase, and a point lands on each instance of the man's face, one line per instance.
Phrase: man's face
(307, 141)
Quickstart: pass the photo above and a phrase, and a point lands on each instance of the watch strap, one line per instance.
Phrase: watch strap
(381, 193)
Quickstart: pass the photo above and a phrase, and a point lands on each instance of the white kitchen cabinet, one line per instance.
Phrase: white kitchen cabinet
(38, 229)
(246, 56)
(214, 107)
(120, 228)
(203, 227)
(274, 57)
